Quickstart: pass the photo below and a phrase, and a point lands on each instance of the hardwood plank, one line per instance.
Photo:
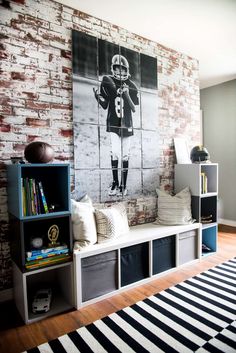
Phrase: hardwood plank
(16, 337)
(227, 229)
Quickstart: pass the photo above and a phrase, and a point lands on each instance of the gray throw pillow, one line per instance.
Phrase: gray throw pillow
(174, 210)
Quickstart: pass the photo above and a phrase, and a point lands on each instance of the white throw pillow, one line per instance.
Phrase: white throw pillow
(83, 223)
(112, 222)
(174, 210)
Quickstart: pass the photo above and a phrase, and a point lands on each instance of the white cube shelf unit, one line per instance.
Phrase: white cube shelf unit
(146, 252)
(59, 278)
(202, 179)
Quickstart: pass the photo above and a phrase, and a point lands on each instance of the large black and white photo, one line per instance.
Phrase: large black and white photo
(115, 117)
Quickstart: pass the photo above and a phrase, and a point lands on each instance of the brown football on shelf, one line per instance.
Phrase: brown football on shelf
(39, 152)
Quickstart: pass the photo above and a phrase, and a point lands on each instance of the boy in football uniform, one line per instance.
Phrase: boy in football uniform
(119, 95)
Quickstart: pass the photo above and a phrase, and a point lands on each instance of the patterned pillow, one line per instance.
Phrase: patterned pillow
(112, 222)
(83, 223)
(174, 210)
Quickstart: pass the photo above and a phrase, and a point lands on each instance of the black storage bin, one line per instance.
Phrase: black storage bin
(187, 246)
(163, 254)
(99, 274)
(134, 263)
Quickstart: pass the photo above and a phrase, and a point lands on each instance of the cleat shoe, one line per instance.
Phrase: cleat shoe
(113, 189)
(122, 192)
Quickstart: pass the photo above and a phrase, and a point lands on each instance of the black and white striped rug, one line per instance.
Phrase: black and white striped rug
(197, 315)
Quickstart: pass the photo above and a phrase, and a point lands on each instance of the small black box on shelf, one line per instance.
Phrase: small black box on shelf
(163, 254)
(134, 263)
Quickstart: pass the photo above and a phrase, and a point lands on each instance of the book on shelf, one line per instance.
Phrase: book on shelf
(32, 256)
(24, 201)
(39, 208)
(47, 261)
(28, 200)
(31, 190)
(33, 197)
(34, 252)
(204, 183)
(45, 205)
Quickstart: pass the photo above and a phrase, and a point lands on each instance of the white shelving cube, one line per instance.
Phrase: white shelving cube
(204, 202)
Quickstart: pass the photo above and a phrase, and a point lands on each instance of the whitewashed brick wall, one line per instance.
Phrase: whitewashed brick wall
(36, 93)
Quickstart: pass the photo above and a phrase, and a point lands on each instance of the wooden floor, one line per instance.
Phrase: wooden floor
(16, 337)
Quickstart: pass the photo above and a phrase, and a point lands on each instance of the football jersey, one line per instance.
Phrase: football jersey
(119, 115)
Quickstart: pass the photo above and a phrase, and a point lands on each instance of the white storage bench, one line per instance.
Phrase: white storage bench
(146, 252)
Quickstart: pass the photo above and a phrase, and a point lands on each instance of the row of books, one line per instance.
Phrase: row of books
(44, 257)
(47, 261)
(46, 253)
(33, 197)
(203, 183)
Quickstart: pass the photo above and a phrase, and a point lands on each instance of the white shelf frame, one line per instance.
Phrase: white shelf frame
(62, 301)
(138, 235)
(190, 175)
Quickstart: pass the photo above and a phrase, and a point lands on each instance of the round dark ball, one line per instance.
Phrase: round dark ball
(199, 154)
(39, 152)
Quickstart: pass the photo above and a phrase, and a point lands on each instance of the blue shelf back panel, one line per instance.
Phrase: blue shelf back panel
(209, 237)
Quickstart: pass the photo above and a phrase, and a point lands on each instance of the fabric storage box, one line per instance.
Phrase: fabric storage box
(99, 274)
(163, 254)
(134, 263)
(187, 246)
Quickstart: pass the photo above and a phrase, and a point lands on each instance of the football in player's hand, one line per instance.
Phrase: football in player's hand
(109, 84)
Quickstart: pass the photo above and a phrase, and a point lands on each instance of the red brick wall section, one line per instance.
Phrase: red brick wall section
(36, 90)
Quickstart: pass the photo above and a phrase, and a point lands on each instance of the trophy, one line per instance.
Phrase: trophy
(53, 233)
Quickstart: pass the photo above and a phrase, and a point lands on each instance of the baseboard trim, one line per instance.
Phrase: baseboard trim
(227, 222)
(6, 294)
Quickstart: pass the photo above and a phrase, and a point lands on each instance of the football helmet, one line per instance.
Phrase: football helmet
(199, 154)
(120, 67)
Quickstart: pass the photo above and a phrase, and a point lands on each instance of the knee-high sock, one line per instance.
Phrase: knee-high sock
(114, 166)
(124, 173)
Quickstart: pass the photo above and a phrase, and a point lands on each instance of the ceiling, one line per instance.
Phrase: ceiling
(202, 29)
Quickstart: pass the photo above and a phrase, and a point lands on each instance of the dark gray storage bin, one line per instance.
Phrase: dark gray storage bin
(187, 246)
(134, 263)
(163, 254)
(99, 274)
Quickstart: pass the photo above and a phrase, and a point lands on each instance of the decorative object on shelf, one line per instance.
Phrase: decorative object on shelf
(42, 301)
(36, 242)
(181, 151)
(39, 152)
(199, 154)
(53, 233)
(206, 248)
(206, 219)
